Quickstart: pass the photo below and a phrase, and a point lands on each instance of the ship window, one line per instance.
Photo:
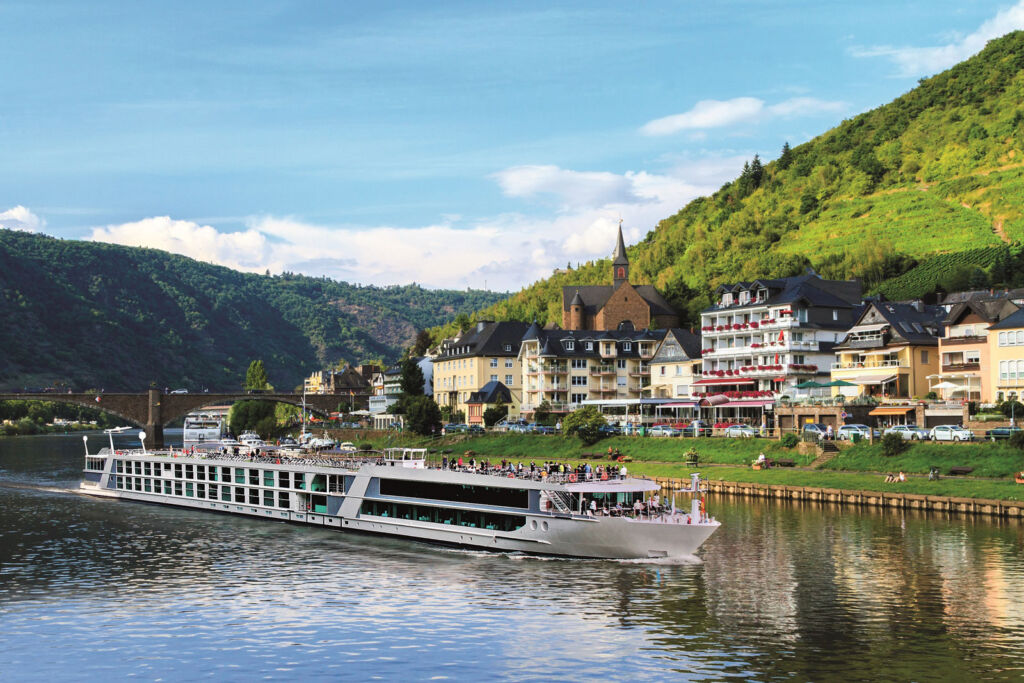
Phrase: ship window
(239, 475)
(239, 494)
(147, 485)
(225, 493)
(268, 498)
(201, 472)
(189, 473)
(189, 491)
(225, 474)
(254, 496)
(200, 490)
(147, 470)
(440, 515)
(254, 477)
(177, 470)
(268, 478)
(212, 494)
(282, 480)
(213, 472)
(482, 495)
(282, 499)
(177, 488)
(167, 488)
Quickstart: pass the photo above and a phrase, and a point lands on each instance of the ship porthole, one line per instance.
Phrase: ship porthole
(533, 524)
(544, 525)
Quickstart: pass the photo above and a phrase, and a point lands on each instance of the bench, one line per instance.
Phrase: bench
(691, 459)
(783, 462)
(961, 470)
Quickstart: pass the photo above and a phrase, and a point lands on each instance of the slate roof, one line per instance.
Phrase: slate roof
(788, 290)
(1011, 322)
(619, 256)
(553, 343)
(486, 339)
(907, 324)
(491, 393)
(990, 310)
(689, 341)
(594, 297)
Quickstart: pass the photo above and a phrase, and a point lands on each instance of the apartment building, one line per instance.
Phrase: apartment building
(1006, 357)
(769, 335)
(966, 371)
(569, 367)
(487, 352)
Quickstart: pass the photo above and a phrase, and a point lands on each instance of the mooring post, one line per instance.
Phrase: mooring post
(154, 423)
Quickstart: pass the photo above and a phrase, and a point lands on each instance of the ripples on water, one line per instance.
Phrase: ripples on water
(92, 588)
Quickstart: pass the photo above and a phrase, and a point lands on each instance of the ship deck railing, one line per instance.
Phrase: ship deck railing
(348, 462)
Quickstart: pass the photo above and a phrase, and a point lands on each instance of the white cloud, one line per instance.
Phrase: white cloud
(20, 218)
(707, 114)
(246, 251)
(917, 61)
(502, 253)
(574, 188)
(718, 113)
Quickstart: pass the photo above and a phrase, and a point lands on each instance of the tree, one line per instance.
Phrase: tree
(786, 158)
(543, 412)
(496, 412)
(411, 381)
(422, 415)
(584, 423)
(422, 343)
(256, 376)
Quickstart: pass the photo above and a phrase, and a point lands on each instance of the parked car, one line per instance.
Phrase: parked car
(179, 391)
(740, 432)
(697, 428)
(664, 430)
(476, 429)
(846, 432)
(909, 432)
(951, 433)
(455, 428)
(997, 433)
(609, 430)
(816, 428)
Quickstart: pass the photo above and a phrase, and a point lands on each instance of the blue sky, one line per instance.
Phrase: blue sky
(452, 144)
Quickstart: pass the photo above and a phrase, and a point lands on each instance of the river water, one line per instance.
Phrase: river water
(103, 589)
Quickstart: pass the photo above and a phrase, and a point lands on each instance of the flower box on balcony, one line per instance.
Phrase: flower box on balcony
(736, 326)
(754, 325)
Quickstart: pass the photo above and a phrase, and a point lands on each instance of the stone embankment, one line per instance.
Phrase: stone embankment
(894, 499)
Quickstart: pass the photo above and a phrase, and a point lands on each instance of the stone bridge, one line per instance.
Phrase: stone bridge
(154, 409)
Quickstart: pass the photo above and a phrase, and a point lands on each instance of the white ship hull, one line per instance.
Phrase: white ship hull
(358, 494)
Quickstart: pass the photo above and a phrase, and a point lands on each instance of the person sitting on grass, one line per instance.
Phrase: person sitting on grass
(889, 478)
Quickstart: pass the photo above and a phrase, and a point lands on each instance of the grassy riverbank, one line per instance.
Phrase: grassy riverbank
(860, 467)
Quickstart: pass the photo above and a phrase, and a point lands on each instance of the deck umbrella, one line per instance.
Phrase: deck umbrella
(810, 384)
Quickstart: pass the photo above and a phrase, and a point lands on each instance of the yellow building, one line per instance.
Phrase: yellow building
(489, 352)
(966, 371)
(890, 351)
(676, 365)
(1006, 357)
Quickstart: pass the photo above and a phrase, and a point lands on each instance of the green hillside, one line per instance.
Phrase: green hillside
(100, 315)
(936, 172)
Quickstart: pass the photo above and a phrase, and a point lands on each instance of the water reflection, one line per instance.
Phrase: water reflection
(798, 591)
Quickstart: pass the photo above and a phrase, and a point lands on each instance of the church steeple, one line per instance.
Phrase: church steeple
(620, 262)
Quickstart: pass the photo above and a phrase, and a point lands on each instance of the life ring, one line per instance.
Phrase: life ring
(604, 477)
(572, 476)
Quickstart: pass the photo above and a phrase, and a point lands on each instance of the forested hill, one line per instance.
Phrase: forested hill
(98, 315)
(922, 193)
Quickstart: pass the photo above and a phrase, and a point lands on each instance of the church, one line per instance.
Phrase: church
(610, 307)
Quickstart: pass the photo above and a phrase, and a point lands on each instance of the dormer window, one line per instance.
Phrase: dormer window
(590, 346)
(744, 297)
(508, 347)
(570, 345)
(626, 346)
(727, 299)
(762, 295)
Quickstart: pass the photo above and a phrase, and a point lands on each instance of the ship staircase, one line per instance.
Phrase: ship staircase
(561, 500)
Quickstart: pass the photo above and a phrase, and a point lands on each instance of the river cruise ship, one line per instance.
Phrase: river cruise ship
(396, 493)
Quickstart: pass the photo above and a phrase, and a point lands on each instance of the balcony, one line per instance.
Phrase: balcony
(640, 372)
(553, 369)
(954, 341)
(602, 370)
(868, 365)
(960, 367)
